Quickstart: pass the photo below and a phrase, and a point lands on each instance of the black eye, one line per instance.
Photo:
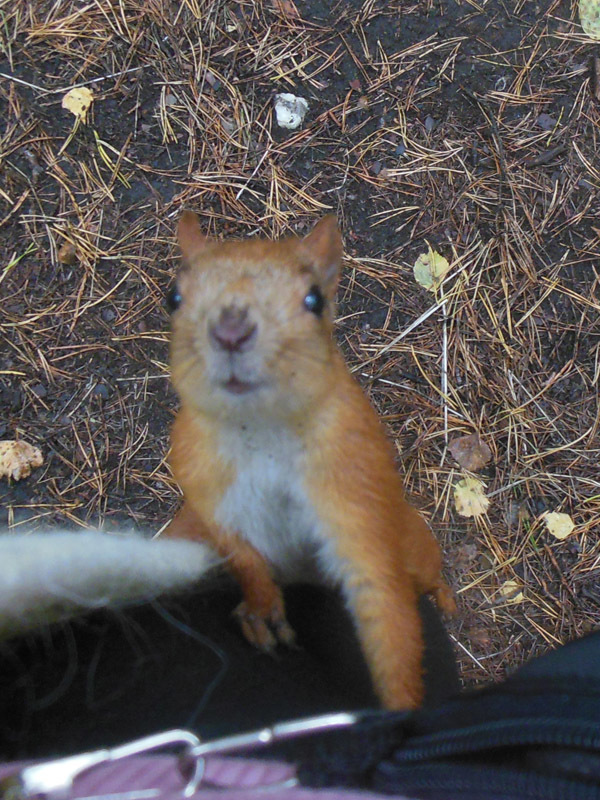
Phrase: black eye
(173, 298)
(314, 301)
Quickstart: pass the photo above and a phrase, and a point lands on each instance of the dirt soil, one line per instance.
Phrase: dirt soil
(470, 126)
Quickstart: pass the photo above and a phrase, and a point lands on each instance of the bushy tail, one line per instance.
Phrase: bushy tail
(53, 575)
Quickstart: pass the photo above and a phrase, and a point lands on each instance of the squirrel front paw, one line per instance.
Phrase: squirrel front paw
(265, 630)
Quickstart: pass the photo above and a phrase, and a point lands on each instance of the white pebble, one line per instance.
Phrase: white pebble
(290, 110)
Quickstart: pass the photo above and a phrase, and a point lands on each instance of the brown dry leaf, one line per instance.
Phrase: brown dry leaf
(17, 458)
(559, 524)
(286, 7)
(67, 254)
(464, 556)
(512, 592)
(212, 79)
(480, 637)
(78, 102)
(470, 452)
(469, 498)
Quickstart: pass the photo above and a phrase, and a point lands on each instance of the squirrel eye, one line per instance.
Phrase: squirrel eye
(314, 301)
(173, 298)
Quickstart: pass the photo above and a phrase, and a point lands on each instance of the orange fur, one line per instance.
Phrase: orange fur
(277, 426)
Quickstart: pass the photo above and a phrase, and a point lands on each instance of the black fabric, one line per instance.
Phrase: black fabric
(536, 735)
(113, 676)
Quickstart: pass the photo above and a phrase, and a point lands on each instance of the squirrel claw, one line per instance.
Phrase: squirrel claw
(284, 633)
(265, 632)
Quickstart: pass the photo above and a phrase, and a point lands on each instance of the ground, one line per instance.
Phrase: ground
(470, 126)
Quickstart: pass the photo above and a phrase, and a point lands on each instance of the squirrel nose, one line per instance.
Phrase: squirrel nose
(233, 330)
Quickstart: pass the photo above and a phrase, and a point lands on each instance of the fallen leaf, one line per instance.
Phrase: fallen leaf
(485, 562)
(286, 7)
(17, 458)
(517, 512)
(469, 498)
(559, 524)
(229, 125)
(464, 556)
(78, 102)
(67, 254)
(479, 637)
(589, 15)
(546, 122)
(212, 79)
(470, 452)
(512, 592)
(430, 268)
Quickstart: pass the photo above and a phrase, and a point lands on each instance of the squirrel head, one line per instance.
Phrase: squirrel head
(252, 320)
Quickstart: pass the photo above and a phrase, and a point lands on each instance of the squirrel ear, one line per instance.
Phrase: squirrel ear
(324, 246)
(191, 239)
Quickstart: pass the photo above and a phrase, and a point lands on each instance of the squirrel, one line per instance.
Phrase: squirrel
(285, 468)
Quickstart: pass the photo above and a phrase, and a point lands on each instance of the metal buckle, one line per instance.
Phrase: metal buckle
(53, 780)
(263, 737)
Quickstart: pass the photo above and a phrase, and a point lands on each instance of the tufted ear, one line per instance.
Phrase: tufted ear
(191, 239)
(324, 247)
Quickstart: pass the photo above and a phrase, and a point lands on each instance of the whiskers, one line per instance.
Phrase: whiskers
(295, 350)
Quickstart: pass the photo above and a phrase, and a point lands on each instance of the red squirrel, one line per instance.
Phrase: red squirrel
(285, 468)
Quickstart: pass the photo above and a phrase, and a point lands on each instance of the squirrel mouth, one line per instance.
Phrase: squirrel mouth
(236, 386)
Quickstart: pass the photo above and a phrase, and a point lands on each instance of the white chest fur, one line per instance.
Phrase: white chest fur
(267, 503)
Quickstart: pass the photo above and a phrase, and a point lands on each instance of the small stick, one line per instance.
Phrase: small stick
(561, 577)
(66, 88)
(444, 376)
(545, 157)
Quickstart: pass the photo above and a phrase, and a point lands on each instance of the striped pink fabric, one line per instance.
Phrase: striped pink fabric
(158, 778)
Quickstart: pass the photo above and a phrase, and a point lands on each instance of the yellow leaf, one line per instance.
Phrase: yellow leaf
(18, 458)
(430, 268)
(589, 14)
(560, 525)
(78, 102)
(511, 592)
(469, 498)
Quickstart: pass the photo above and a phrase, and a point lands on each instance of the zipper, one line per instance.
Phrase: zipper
(500, 733)
(451, 781)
